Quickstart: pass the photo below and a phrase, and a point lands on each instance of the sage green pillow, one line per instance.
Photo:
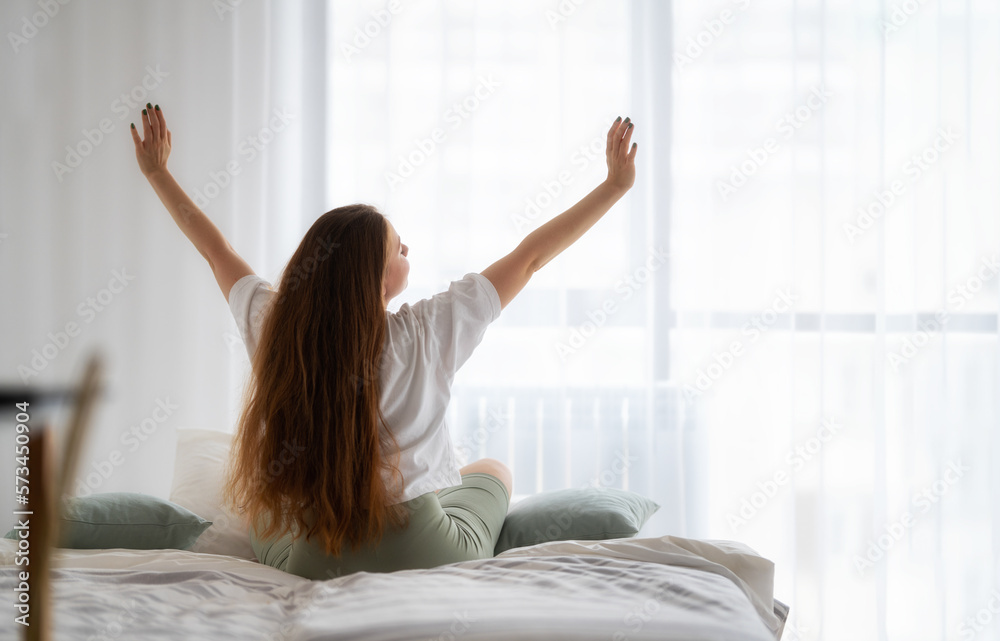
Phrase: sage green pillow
(589, 514)
(126, 520)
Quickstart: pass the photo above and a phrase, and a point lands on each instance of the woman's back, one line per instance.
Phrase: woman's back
(426, 343)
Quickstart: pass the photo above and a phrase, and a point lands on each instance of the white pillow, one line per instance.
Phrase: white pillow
(198, 476)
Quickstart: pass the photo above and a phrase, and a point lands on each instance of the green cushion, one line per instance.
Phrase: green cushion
(587, 514)
(126, 520)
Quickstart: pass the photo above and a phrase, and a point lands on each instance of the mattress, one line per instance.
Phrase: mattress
(662, 588)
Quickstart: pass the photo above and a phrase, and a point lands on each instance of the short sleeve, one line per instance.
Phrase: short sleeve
(248, 298)
(453, 322)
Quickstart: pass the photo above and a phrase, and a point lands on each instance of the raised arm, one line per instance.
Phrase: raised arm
(152, 151)
(511, 273)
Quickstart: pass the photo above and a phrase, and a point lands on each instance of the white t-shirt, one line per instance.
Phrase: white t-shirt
(426, 343)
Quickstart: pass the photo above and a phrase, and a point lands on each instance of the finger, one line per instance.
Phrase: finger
(620, 134)
(169, 144)
(153, 120)
(147, 129)
(631, 154)
(626, 139)
(615, 139)
(611, 137)
(135, 137)
(160, 121)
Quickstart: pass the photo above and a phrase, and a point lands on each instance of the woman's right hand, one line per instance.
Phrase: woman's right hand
(152, 151)
(621, 159)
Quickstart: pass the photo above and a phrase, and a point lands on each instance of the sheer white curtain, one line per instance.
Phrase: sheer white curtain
(844, 156)
(85, 239)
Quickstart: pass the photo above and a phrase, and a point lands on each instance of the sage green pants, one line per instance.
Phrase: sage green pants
(460, 523)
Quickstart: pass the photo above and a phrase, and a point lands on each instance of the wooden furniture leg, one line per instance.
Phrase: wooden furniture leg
(48, 483)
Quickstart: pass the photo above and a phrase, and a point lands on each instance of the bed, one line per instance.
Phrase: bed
(665, 588)
(653, 588)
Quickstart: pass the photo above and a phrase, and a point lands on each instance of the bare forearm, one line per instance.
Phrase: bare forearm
(549, 240)
(198, 227)
(511, 273)
(151, 152)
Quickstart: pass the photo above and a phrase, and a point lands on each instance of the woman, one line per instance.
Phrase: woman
(342, 461)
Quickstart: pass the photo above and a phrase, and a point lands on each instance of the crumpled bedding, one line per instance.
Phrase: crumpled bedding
(658, 588)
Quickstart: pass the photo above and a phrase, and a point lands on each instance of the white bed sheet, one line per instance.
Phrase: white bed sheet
(660, 588)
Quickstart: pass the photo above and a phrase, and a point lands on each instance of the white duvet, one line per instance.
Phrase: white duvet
(659, 588)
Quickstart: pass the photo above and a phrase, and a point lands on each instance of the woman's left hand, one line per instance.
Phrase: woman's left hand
(153, 149)
(621, 158)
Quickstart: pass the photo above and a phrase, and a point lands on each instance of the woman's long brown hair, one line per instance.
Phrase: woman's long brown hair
(310, 447)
